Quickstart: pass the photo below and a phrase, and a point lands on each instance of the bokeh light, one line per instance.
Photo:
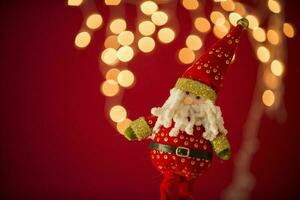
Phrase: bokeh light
(111, 42)
(82, 39)
(125, 78)
(263, 54)
(253, 21)
(234, 17)
(125, 53)
(186, 55)
(193, 42)
(112, 74)
(270, 80)
(202, 24)
(118, 25)
(190, 4)
(288, 30)
(118, 113)
(94, 21)
(148, 7)
(159, 18)
(228, 5)
(240, 8)
(217, 18)
(146, 28)
(126, 38)
(110, 88)
(274, 6)
(123, 125)
(273, 37)
(220, 31)
(259, 34)
(109, 56)
(112, 2)
(166, 35)
(75, 2)
(277, 67)
(146, 44)
(268, 97)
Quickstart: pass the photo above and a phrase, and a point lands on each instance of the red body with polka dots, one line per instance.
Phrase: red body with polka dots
(188, 167)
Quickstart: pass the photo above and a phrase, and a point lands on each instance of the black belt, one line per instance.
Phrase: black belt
(180, 151)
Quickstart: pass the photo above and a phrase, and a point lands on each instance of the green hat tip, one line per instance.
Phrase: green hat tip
(243, 22)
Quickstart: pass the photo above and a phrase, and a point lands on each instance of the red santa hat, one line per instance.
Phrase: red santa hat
(205, 77)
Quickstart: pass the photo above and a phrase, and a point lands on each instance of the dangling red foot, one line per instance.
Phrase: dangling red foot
(167, 185)
(186, 189)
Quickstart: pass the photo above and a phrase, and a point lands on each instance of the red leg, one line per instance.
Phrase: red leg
(186, 189)
(167, 185)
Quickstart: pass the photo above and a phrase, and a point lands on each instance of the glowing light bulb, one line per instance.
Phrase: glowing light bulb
(125, 78)
(148, 7)
(234, 17)
(186, 55)
(228, 5)
(75, 2)
(118, 113)
(277, 67)
(193, 42)
(253, 21)
(268, 98)
(110, 88)
(274, 6)
(159, 18)
(112, 74)
(109, 56)
(273, 37)
(123, 125)
(202, 24)
(94, 21)
(125, 53)
(259, 34)
(117, 26)
(112, 2)
(166, 35)
(146, 44)
(146, 28)
(288, 30)
(111, 42)
(263, 54)
(190, 4)
(82, 39)
(126, 38)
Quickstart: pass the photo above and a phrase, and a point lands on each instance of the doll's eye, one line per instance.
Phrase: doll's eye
(198, 97)
(187, 93)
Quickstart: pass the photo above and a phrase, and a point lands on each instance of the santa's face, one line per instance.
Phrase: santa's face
(186, 111)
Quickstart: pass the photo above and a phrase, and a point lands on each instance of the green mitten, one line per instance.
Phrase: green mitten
(129, 134)
(221, 147)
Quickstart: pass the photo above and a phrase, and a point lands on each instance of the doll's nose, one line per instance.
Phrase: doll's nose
(188, 100)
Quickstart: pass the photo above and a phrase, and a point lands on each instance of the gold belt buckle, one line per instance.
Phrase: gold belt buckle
(178, 151)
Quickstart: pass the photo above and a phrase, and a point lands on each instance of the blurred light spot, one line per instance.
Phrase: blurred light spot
(111, 42)
(118, 113)
(112, 2)
(234, 17)
(82, 39)
(186, 55)
(126, 38)
(259, 34)
(193, 42)
(125, 53)
(253, 21)
(202, 24)
(274, 6)
(190, 4)
(146, 28)
(110, 88)
(125, 78)
(270, 80)
(159, 18)
(109, 56)
(75, 2)
(148, 7)
(240, 8)
(263, 54)
(288, 30)
(123, 125)
(268, 98)
(217, 18)
(228, 5)
(117, 26)
(146, 44)
(277, 67)
(233, 58)
(94, 21)
(166, 35)
(112, 74)
(220, 31)
(273, 37)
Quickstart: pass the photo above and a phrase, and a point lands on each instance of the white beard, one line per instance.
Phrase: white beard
(185, 117)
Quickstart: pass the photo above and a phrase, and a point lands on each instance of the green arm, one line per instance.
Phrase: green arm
(221, 147)
(138, 130)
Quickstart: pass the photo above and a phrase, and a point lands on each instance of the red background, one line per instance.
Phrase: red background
(57, 143)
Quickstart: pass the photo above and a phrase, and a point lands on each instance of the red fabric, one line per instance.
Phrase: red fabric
(212, 65)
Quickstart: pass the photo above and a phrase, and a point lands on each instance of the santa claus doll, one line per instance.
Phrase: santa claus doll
(188, 128)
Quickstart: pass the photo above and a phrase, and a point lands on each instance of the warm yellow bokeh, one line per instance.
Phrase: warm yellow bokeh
(263, 54)
(202, 24)
(82, 39)
(268, 97)
(274, 6)
(146, 28)
(217, 18)
(193, 42)
(125, 53)
(148, 7)
(270, 80)
(186, 55)
(112, 74)
(75, 2)
(277, 68)
(159, 18)
(125, 78)
(234, 17)
(118, 25)
(288, 30)
(111, 42)
(123, 125)
(94, 21)
(146, 44)
(253, 21)
(220, 31)
(190, 4)
(273, 37)
(259, 34)
(118, 113)
(112, 2)
(228, 5)
(109, 56)
(126, 38)
(166, 35)
(240, 8)
(110, 88)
